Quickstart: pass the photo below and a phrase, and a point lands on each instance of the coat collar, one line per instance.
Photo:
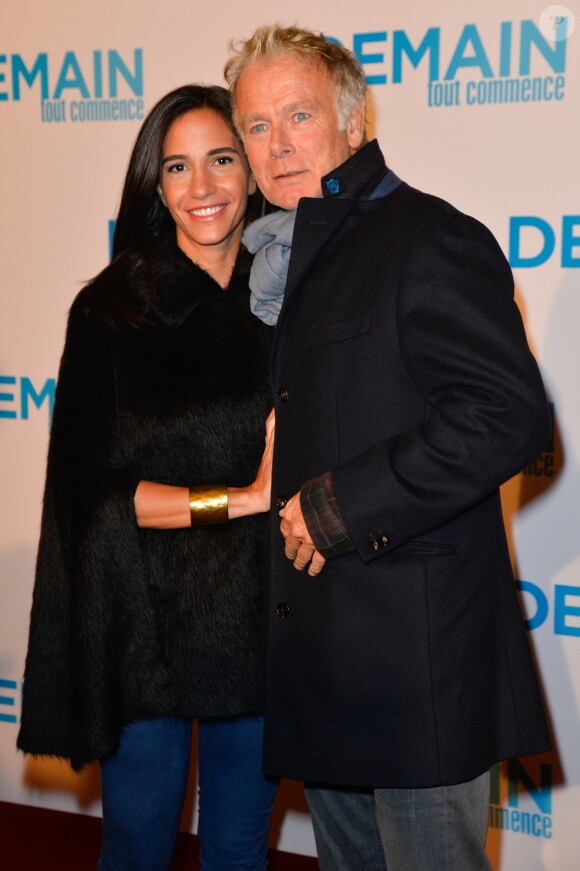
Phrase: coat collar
(358, 176)
(179, 285)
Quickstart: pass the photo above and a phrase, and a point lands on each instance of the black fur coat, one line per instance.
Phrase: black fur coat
(129, 623)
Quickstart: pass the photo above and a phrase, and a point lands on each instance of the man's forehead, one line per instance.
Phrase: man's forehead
(283, 79)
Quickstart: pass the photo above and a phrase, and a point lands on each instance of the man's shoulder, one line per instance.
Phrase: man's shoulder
(422, 204)
(418, 212)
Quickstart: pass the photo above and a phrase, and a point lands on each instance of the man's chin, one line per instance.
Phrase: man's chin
(287, 196)
(288, 200)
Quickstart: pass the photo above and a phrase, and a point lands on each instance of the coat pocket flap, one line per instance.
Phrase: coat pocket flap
(326, 334)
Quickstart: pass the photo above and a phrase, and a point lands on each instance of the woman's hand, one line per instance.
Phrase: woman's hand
(262, 486)
(255, 498)
(162, 506)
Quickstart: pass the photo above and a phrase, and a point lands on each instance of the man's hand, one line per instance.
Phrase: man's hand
(299, 546)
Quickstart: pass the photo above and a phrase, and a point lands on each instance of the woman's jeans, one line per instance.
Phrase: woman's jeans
(144, 784)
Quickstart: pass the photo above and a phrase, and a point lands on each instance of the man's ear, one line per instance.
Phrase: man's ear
(252, 186)
(161, 197)
(355, 128)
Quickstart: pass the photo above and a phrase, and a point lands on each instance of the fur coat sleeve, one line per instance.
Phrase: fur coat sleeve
(88, 537)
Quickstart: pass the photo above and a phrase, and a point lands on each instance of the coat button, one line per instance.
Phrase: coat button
(283, 395)
(375, 543)
(281, 502)
(282, 609)
(385, 540)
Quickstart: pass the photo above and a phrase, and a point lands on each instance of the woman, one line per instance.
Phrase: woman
(147, 600)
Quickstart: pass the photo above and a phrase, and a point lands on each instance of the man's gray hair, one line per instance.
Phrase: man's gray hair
(309, 48)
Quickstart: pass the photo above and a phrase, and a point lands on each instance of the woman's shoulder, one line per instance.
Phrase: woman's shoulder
(108, 302)
(89, 327)
(84, 314)
(84, 305)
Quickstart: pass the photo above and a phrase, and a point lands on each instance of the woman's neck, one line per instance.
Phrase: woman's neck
(217, 260)
(218, 265)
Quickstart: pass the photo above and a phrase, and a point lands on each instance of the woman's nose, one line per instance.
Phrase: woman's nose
(201, 184)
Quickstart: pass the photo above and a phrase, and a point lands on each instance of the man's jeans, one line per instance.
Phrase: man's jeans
(438, 829)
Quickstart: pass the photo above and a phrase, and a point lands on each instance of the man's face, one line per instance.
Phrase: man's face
(290, 128)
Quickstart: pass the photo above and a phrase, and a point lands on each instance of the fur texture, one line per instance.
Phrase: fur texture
(129, 623)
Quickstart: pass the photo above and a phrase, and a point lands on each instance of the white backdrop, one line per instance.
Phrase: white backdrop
(477, 105)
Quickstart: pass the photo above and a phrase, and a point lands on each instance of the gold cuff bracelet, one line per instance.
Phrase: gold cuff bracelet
(208, 504)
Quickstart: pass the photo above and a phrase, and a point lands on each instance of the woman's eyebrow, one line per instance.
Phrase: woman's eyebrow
(174, 157)
(224, 150)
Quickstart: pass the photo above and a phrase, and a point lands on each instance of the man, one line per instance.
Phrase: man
(398, 668)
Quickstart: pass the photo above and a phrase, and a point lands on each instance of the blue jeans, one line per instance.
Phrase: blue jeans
(235, 799)
(143, 789)
(440, 829)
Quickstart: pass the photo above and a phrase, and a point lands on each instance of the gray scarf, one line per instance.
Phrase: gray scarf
(270, 239)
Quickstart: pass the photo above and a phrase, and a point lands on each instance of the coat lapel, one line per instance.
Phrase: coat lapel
(317, 221)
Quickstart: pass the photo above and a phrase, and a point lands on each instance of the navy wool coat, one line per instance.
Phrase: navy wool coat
(400, 363)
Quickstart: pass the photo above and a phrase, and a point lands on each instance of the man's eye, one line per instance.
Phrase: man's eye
(257, 128)
(301, 116)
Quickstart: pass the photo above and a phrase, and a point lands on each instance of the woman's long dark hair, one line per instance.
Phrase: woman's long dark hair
(142, 217)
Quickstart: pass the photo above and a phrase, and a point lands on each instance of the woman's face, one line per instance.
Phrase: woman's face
(205, 183)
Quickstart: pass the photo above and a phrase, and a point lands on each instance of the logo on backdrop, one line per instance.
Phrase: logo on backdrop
(9, 701)
(564, 604)
(521, 797)
(20, 395)
(534, 240)
(521, 62)
(93, 86)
